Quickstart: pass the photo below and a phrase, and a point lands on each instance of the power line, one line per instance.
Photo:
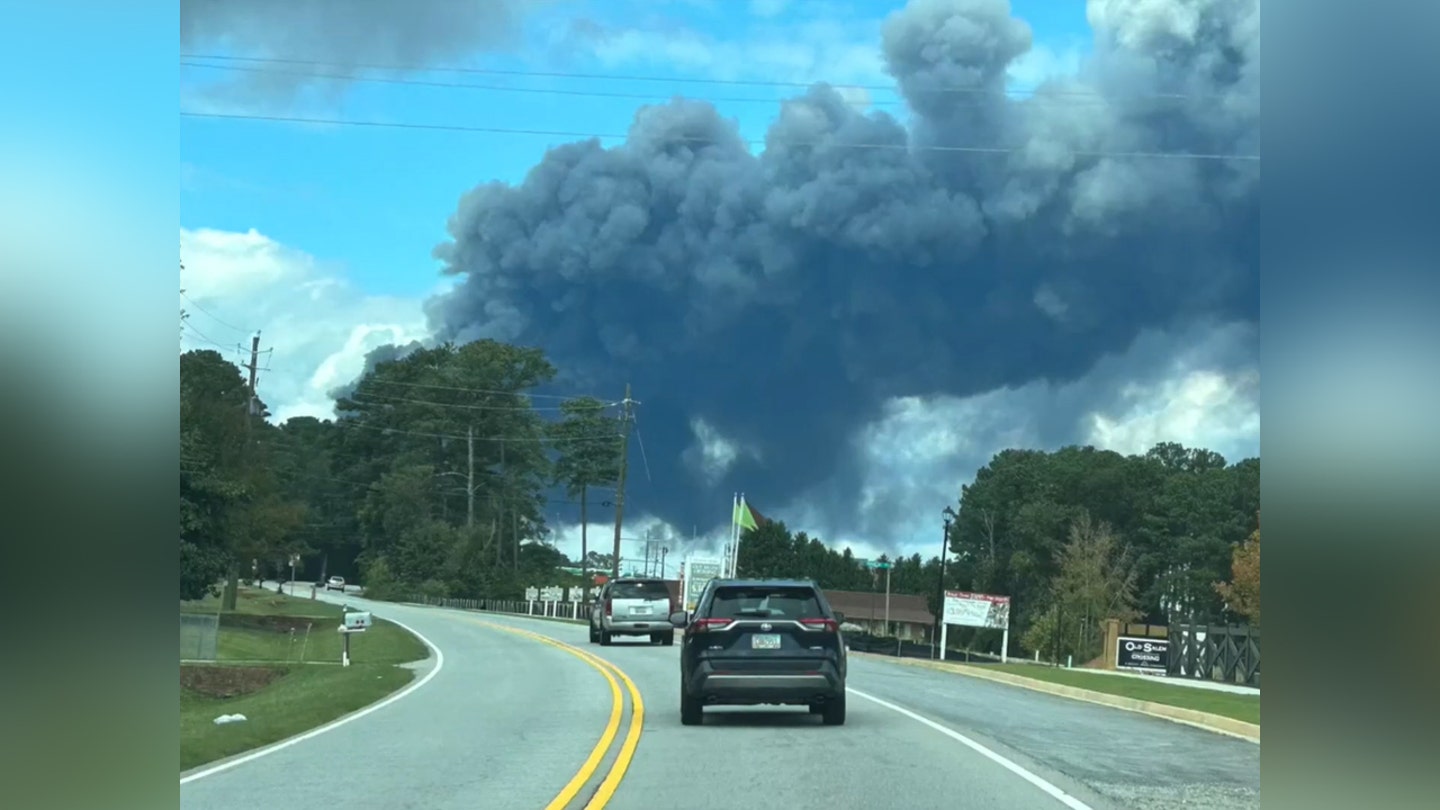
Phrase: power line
(495, 391)
(613, 77)
(486, 391)
(379, 400)
(462, 437)
(1094, 98)
(213, 316)
(643, 458)
(201, 337)
(983, 150)
(526, 408)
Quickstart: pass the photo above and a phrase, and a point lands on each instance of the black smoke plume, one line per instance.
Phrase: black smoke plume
(784, 296)
(342, 36)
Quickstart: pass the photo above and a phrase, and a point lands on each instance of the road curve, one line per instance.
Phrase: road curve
(506, 723)
(914, 738)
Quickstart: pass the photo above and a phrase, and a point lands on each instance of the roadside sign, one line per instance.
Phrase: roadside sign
(552, 593)
(698, 572)
(1151, 655)
(977, 610)
(577, 593)
(531, 594)
(877, 564)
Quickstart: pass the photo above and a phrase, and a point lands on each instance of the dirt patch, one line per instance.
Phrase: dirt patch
(227, 682)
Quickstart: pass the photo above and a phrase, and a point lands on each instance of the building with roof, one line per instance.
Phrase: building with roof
(910, 616)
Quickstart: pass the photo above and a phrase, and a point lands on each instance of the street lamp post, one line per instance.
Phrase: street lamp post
(938, 634)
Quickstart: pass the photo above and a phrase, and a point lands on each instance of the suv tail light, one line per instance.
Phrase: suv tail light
(827, 625)
(609, 608)
(703, 625)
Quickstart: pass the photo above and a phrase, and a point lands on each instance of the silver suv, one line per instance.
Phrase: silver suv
(633, 606)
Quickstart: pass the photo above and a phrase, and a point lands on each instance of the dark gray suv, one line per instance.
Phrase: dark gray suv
(762, 642)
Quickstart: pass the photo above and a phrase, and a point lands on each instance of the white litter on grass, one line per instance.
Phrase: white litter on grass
(229, 718)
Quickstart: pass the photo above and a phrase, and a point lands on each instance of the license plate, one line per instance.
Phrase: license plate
(645, 609)
(765, 641)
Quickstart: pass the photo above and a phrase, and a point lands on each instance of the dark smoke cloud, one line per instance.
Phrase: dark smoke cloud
(373, 358)
(784, 297)
(344, 34)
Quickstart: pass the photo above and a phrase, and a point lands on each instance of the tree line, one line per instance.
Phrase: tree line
(436, 477)
(1074, 537)
(443, 469)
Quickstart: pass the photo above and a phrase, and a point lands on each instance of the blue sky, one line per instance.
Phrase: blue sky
(375, 200)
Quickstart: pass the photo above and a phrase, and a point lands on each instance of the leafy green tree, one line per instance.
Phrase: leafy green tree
(1181, 511)
(588, 443)
(231, 507)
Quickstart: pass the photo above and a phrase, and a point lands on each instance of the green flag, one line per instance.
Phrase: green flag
(745, 517)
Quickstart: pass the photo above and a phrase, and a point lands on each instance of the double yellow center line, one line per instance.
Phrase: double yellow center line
(582, 777)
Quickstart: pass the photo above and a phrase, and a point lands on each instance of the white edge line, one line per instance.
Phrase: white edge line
(1010, 765)
(333, 724)
(1094, 702)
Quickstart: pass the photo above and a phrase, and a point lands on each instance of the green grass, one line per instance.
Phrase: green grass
(1225, 704)
(257, 602)
(312, 691)
(383, 643)
(299, 629)
(303, 698)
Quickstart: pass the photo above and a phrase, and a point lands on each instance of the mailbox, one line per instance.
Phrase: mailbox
(357, 621)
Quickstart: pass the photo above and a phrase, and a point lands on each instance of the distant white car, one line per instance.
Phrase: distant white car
(335, 584)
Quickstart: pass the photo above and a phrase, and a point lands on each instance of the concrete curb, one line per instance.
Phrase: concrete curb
(1190, 717)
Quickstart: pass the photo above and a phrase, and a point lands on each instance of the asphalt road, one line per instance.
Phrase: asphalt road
(509, 720)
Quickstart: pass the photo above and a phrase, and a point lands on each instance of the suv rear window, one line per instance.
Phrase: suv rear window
(640, 590)
(760, 602)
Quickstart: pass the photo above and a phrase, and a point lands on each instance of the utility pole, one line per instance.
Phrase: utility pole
(232, 580)
(620, 483)
(500, 518)
(470, 477)
(254, 363)
(888, 568)
(939, 631)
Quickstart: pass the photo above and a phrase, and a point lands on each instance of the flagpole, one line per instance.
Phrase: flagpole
(735, 562)
(734, 533)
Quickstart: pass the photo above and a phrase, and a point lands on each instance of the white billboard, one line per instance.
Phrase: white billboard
(977, 610)
(698, 572)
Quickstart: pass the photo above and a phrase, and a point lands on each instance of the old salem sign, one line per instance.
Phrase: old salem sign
(1146, 654)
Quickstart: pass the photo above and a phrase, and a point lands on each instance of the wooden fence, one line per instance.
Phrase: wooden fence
(1215, 652)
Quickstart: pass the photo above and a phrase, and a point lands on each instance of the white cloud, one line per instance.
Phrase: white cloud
(1043, 63)
(711, 454)
(315, 327)
(1201, 408)
(634, 533)
(921, 451)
